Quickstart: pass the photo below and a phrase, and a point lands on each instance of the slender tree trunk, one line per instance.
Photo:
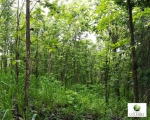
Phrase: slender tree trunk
(133, 54)
(106, 80)
(27, 81)
(5, 58)
(114, 38)
(1, 62)
(66, 66)
(74, 59)
(16, 45)
(91, 72)
(148, 93)
(36, 59)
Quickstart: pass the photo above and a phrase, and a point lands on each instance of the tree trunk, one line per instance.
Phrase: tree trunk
(27, 81)
(106, 78)
(36, 59)
(16, 46)
(114, 37)
(148, 93)
(133, 54)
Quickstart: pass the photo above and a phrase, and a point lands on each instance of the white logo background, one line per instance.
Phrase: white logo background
(141, 113)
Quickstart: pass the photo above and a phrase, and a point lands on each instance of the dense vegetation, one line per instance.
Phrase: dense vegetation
(73, 59)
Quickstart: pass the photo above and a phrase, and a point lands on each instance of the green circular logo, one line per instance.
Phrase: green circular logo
(137, 107)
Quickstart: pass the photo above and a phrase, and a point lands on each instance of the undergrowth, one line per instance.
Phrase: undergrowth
(49, 100)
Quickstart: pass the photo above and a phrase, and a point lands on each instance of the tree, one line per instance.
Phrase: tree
(27, 81)
(133, 54)
(6, 28)
(129, 5)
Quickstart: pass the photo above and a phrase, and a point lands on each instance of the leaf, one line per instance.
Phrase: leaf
(50, 50)
(116, 45)
(34, 116)
(120, 43)
(14, 62)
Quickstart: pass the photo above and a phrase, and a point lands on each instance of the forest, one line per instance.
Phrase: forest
(74, 59)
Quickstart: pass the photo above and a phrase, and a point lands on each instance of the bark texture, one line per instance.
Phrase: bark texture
(27, 81)
(133, 54)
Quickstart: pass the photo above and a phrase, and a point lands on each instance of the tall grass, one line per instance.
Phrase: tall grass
(7, 88)
(50, 100)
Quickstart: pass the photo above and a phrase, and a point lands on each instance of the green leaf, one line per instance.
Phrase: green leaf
(14, 62)
(34, 117)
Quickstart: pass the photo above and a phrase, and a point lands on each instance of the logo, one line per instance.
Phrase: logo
(137, 107)
(137, 110)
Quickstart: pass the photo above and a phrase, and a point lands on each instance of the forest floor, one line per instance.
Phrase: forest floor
(50, 100)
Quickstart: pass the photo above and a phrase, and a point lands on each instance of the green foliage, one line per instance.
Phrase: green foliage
(71, 74)
(6, 96)
(120, 43)
(49, 96)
